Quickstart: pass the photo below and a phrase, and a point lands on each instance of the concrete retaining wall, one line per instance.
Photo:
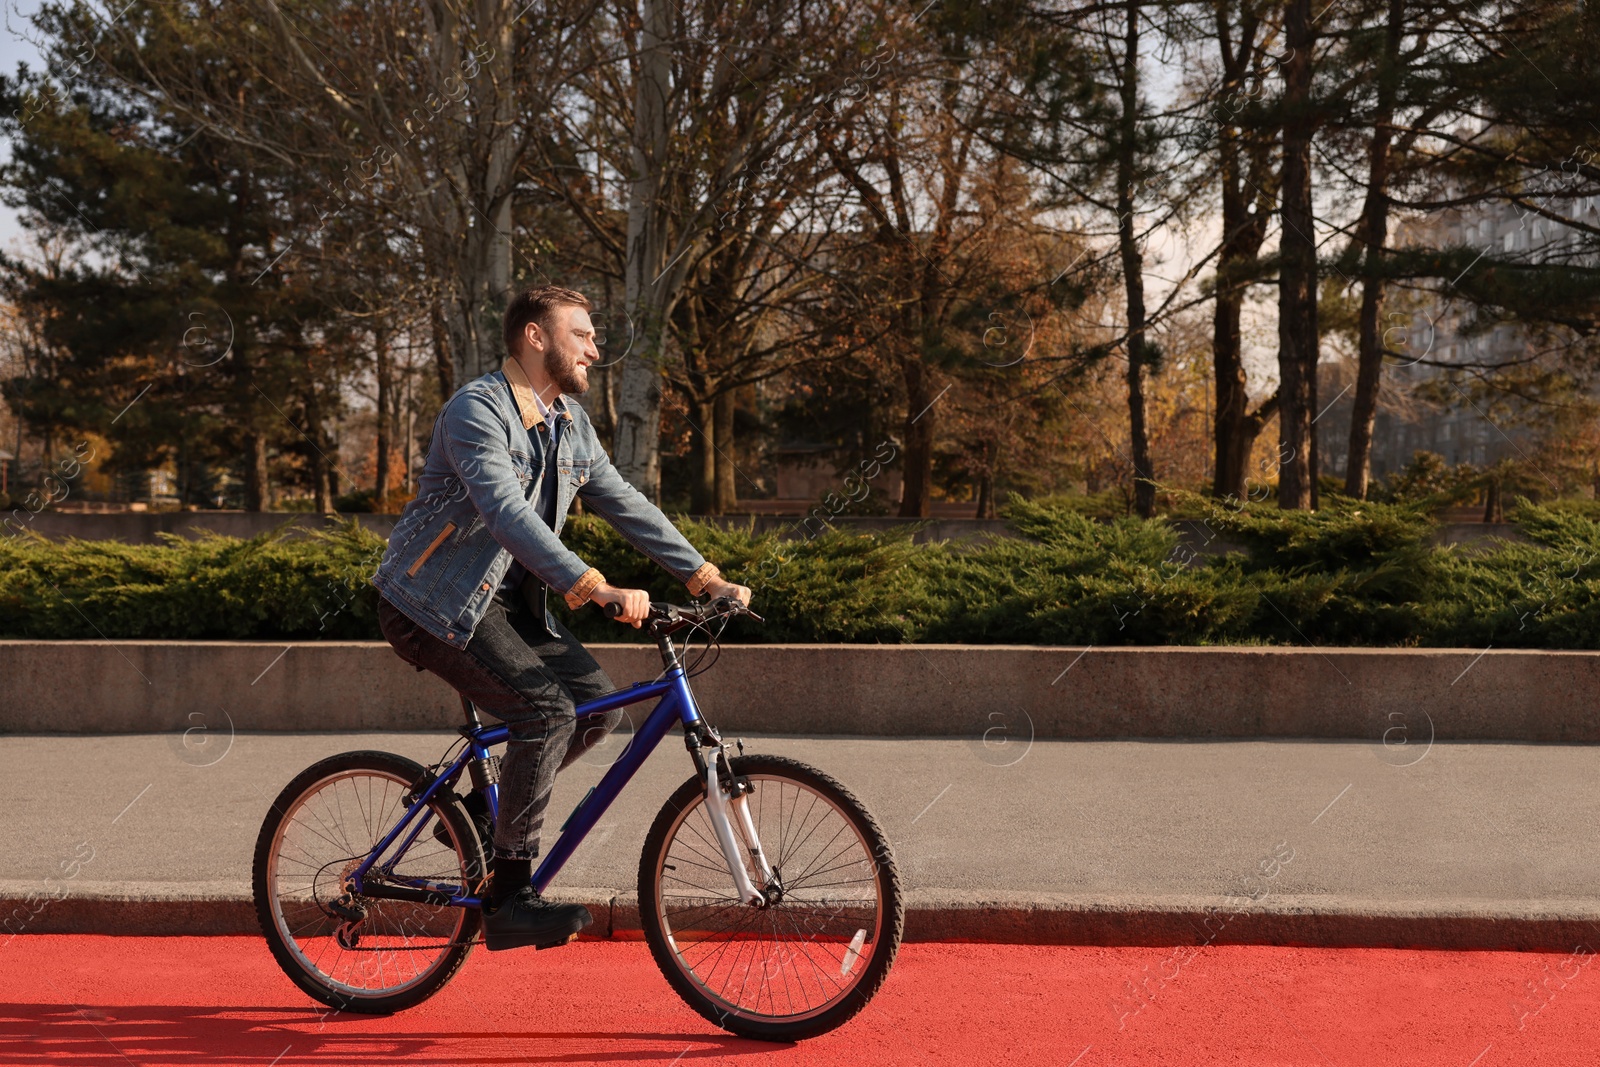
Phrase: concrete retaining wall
(1003, 694)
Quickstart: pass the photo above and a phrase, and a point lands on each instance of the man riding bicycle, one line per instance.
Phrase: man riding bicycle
(466, 575)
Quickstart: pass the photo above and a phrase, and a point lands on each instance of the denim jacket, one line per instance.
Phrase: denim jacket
(474, 512)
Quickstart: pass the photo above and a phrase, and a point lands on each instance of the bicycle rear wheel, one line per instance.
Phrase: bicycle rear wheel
(811, 959)
(351, 952)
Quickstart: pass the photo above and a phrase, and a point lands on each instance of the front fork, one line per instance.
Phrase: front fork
(735, 830)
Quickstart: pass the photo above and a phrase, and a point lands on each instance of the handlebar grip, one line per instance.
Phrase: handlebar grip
(613, 610)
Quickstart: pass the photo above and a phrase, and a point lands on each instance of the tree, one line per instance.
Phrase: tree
(1247, 178)
(1460, 123)
(1298, 342)
(938, 200)
(165, 297)
(411, 118)
(707, 126)
(1371, 234)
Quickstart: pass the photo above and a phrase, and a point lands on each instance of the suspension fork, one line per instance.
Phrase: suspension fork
(758, 856)
(731, 822)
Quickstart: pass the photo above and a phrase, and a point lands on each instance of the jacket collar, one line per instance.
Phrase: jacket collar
(522, 392)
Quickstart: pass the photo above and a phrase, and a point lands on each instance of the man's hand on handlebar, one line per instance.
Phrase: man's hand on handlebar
(719, 587)
(667, 619)
(633, 605)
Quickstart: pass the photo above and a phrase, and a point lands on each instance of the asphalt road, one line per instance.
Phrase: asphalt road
(1491, 825)
(111, 1002)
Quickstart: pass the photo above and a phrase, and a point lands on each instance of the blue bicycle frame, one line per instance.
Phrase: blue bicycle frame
(677, 706)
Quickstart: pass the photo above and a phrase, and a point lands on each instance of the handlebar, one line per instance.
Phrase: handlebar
(667, 619)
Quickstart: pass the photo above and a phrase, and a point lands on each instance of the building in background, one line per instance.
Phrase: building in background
(1419, 410)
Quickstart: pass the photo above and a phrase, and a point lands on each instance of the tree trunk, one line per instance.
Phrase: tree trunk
(916, 470)
(1234, 426)
(637, 447)
(411, 441)
(1231, 455)
(473, 310)
(703, 498)
(1364, 406)
(637, 450)
(255, 471)
(181, 462)
(385, 444)
(443, 365)
(257, 491)
(1297, 275)
(472, 210)
(1373, 234)
(727, 492)
(601, 403)
(321, 489)
(991, 456)
(1144, 489)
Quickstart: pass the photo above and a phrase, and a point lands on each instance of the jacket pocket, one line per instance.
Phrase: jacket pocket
(449, 528)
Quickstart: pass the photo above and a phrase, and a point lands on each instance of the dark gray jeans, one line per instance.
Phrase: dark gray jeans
(514, 670)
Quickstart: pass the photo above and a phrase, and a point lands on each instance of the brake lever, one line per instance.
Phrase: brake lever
(735, 607)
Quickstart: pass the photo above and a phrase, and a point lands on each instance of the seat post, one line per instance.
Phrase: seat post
(471, 712)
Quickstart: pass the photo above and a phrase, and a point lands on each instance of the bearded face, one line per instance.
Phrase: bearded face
(566, 360)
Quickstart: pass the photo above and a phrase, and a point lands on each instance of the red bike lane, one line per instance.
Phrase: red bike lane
(95, 1000)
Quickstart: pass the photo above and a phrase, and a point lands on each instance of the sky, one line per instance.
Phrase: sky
(14, 50)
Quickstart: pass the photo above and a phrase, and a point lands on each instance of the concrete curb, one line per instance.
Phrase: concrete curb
(141, 909)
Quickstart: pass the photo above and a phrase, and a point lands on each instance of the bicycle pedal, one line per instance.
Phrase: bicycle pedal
(569, 939)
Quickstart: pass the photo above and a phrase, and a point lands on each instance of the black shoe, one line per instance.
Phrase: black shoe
(529, 919)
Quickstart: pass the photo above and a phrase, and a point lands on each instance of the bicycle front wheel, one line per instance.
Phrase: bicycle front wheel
(811, 958)
(351, 952)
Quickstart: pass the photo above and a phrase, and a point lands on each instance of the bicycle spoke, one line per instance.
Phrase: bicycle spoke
(811, 868)
(798, 955)
(400, 943)
(815, 828)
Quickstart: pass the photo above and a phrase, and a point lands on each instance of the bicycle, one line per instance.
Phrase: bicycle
(768, 894)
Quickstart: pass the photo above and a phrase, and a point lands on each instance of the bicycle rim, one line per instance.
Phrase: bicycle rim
(328, 830)
(793, 960)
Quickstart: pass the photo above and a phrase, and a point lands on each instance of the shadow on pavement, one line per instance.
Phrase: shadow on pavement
(179, 1034)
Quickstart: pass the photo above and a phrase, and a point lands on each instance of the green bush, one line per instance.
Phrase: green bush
(361, 501)
(307, 585)
(1352, 573)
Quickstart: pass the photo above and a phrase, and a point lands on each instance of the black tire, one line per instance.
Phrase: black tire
(296, 919)
(878, 914)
